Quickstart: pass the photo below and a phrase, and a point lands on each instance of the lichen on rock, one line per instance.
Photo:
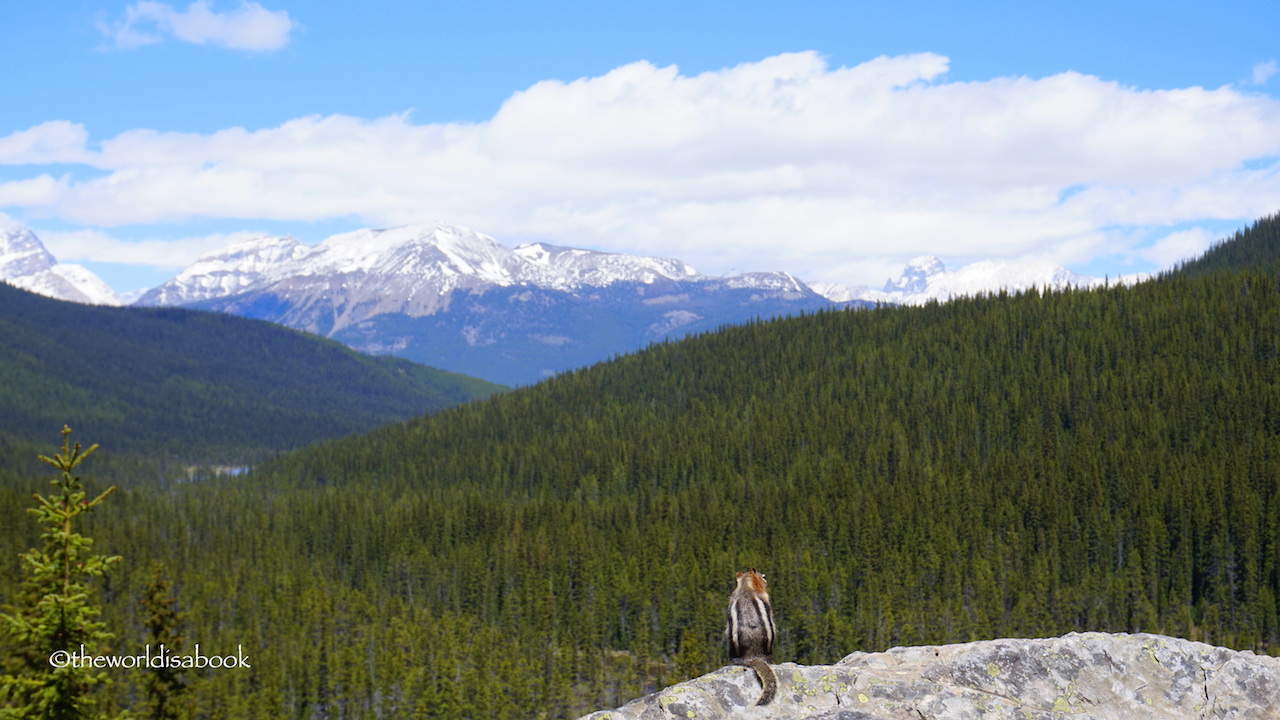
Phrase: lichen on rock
(1081, 676)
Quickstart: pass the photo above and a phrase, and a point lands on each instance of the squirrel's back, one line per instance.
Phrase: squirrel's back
(750, 630)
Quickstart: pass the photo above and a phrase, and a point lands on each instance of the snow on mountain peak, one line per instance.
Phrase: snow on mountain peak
(414, 270)
(22, 253)
(25, 263)
(837, 292)
(95, 290)
(236, 268)
(916, 275)
(925, 278)
(779, 282)
(928, 264)
(428, 249)
(537, 253)
(571, 268)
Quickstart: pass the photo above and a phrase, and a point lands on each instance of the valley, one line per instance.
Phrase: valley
(1009, 465)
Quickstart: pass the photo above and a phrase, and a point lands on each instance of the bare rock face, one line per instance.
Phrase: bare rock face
(1080, 676)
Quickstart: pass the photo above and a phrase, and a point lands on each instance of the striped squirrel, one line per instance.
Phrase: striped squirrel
(750, 630)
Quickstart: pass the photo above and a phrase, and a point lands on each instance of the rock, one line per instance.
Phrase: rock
(1081, 676)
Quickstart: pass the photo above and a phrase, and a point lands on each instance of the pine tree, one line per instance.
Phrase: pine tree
(57, 619)
(166, 689)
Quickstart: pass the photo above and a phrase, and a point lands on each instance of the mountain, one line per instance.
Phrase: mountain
(234, 269)
(25, 263)
(195, 385)
(926, 279)
(1023, 465)
(453, 298)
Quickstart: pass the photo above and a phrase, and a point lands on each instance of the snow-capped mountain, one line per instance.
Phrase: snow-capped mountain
(25, 263)
(234, 269)
(836, 292)
(457, 299)
(926, 278)
(572, 268)
(345, 279)
(915, 276)
(435, 259)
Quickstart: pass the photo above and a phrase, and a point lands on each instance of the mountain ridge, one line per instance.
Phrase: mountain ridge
(26, 263)
(444, 258)
(251, 264)
(452, 298)
(449, 297)
(197, 386)
(570, 546)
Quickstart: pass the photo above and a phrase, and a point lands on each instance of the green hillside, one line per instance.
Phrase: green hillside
(1256, 248)
(1000, 466)
(195, 386)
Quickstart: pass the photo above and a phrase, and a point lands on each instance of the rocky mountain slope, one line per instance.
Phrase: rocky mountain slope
(455, 299)
(25, 263)
(459, 300)
(412, 270)
(1086, 676)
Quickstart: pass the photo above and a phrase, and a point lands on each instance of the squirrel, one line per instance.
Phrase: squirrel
(750, 630)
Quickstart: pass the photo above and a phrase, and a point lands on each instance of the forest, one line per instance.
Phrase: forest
(182, 386)
(1004, 465)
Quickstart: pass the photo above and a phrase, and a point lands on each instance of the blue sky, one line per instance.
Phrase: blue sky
(833, 140)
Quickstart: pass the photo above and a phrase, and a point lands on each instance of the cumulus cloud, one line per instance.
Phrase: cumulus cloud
(38, 192)
(1178, 246)
(57, 141)
(784, 163)
(165, 254)
(248, 27)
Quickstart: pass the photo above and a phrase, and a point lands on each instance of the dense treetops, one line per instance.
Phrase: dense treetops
(211, 387)
(997, 466)
(1255, 249)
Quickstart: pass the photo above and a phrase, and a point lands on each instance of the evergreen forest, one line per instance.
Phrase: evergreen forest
(183, 386)
(998, 466)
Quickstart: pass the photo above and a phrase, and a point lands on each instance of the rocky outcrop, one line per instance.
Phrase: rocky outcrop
(1080, 676)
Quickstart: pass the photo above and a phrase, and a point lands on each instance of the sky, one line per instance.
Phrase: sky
(832, 140)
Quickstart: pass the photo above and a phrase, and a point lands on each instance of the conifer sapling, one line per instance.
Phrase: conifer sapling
(56, 617)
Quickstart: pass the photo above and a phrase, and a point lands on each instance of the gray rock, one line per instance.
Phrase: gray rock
(1081, 676)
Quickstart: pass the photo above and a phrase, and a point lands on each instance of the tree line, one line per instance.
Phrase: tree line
(1004, 465)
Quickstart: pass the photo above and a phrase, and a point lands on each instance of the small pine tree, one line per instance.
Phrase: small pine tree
(56, 618)
(166, 689)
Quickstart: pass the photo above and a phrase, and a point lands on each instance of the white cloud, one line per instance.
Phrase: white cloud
(38, 192)
(161, 254)
(1178, 246)
(248, 27)
(784, 163)
(1262, 72)
(56, 141)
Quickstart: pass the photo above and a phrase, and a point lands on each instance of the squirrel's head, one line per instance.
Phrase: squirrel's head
(754, 581)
